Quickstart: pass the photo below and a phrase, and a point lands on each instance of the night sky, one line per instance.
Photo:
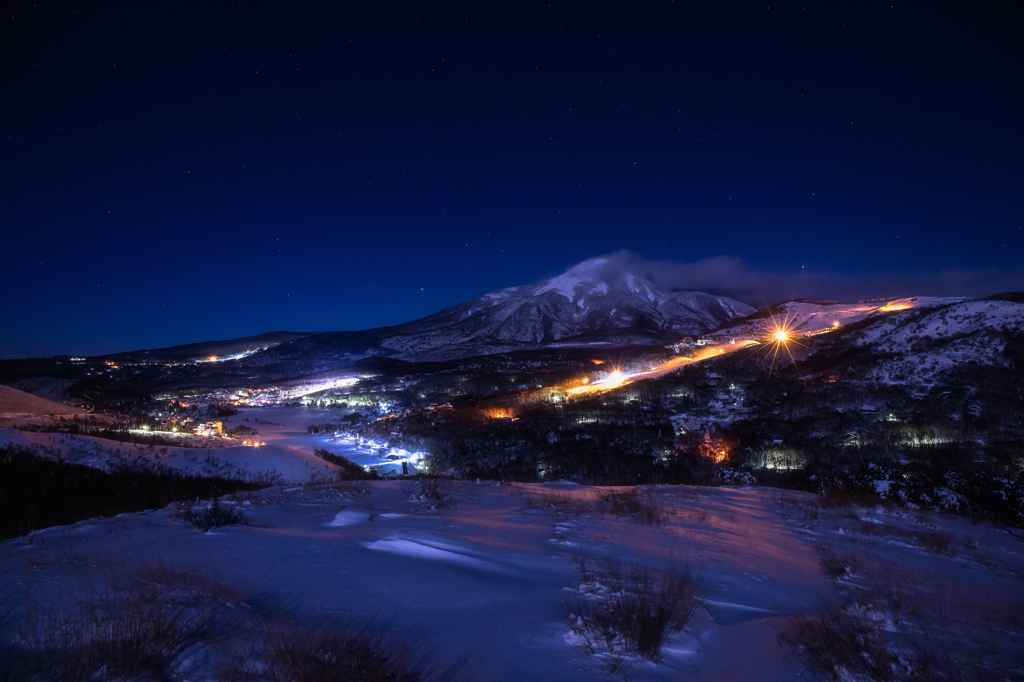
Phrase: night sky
(174, 172)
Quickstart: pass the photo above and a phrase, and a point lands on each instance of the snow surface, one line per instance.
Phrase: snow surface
(563, 284)
(936, 585)
(488, 575)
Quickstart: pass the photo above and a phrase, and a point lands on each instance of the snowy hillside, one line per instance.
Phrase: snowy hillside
(805, 318)
(911, 340)
(275, 462)
(931, 341)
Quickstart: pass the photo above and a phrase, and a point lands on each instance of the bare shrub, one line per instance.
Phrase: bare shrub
(10, 656)
(889, 639)
(633, 505)
(213, 515)
(344, 653)
(433, 489)
(158, 624)
(841, 644)
(439, 492)
(630, 613)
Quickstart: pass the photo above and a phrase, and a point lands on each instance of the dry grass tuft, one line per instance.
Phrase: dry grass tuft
(214, 515)
(440, 493)
(837, 567)
(630, 613)
(149, 625)
(841, 644)
(629, 504)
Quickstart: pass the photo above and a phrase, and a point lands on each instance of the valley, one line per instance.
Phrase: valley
(810, 472)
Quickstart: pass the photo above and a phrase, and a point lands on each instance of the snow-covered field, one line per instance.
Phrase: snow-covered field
(287, 453)
(486, 571)
(287, 427)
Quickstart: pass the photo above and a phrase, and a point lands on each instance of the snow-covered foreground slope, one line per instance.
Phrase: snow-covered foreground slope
(917, 596)
(488, 575)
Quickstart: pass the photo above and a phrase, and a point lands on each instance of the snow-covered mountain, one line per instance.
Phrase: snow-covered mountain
(583, 306)
(586, 306)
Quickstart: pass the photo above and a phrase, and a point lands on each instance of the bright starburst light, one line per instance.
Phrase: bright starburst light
(614, 379)
(780, 336)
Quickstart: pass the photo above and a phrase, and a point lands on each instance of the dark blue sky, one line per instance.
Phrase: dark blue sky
(175, 172)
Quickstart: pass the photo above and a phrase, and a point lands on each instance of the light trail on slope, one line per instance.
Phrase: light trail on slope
(619, 378)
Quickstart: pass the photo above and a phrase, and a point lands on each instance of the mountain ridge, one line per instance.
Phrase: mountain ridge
(583, 306)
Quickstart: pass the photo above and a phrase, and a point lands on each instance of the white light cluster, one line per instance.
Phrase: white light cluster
(308, 389)
(224, 358)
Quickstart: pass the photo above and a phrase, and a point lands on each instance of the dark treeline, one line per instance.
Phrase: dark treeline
(588, 442)
(350, 471)
(121, 433)
(36, 492)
